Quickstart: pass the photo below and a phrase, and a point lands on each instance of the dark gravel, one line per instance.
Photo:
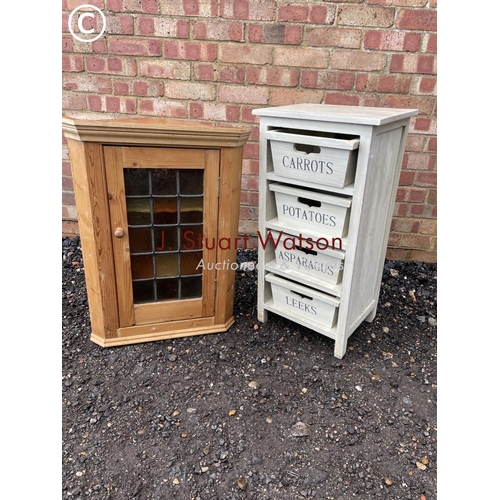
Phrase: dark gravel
(263, 411)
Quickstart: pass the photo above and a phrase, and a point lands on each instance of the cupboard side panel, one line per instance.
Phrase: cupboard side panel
(87, 165)
(378, 204)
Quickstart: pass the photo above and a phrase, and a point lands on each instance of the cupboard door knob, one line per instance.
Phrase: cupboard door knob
(119, 232)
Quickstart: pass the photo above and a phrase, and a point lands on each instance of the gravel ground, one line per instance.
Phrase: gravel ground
(263, 411)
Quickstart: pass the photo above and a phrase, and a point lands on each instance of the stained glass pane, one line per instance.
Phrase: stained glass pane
(190, 261)
(191, 287)
(167, 265)
(136, 181)
(138, 211)
(142, 266)
(139, 239)
(190, 181)
(164, 181)
(144, 291)
(166, 238)
(168, 289)
(165, 210)
(191, 210)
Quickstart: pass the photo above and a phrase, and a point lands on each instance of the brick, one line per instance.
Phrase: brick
(199, 8)
(249, 197)
(372, 82)
(163, 27)
(394, 239)
(399, 3)
(249, 182)
(357, 60)
(397, 254)
(424, 104)
(95, 102)
(392, 40)
(250, 167)
(255, 10)
(331, 80)
(145, 6)
(281, 97)
(293, 34)
(218, 30)
(428, 227)
(422, 125)
(247, 54)
(432, 144)
(213, 112)
(111, 65)
(219, 73)
(135, 47)
(423, 85)
(73, 101)
(120, 105)
(189, 90)
(304, 13)
(400, 209)
(197, 51)
(432, 196)
(243, 94)
(66, 168)
(377, 17)
(73, 4)
(406, 178)
(422, 20)
(70, 44)
(415, 143)
(138, 88)
(419, 241)
(267, 33)
(72, 64)
(178, 70)
(405, 225)
(247, 116)
(423, 256)
(430, 42)
(280, 77)
(426, 179)
(333, 37)
(414, 161)
(413, 63)
(87, 83)
(304, 58)
(119, 25)
(157, 107)
(342, 99)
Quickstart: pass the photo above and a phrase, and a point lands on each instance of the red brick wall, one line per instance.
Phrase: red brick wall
(216, 60)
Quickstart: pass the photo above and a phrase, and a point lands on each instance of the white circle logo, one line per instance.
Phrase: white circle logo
(81, 18)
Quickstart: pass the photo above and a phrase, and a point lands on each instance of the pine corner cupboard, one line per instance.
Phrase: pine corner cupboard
(328, 177)
(155, 198)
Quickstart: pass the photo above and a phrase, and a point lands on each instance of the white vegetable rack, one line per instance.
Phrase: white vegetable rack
(327, 187)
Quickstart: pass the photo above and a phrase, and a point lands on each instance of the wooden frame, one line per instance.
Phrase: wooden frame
(99, 150)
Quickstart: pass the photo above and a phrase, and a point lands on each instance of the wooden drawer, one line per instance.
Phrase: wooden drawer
(311, 260)
(303, 302)
(324, 214)
(315, 157)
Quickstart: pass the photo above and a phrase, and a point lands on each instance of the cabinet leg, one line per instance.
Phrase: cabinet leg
(262, 315)
(340, 346)
(371, 316)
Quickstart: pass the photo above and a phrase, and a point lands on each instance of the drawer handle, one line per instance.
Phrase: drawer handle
(301, 295)
(307, 148)
(309, 202)
(119, 232)
(306, 251)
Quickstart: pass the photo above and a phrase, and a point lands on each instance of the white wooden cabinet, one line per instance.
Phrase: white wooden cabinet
(328, 180)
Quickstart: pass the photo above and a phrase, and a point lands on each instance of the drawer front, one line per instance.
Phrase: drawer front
(324, 214)
(322, 160)
(304, 302)
(311, 259)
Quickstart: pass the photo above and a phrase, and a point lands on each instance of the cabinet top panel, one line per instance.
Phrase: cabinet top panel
(153, 131)
(343, 114)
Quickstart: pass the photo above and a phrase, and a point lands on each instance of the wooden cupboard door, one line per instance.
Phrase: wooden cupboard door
(163, 206)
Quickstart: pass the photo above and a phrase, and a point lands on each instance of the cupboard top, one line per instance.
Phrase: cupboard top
(154, 131)
(361, 115)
